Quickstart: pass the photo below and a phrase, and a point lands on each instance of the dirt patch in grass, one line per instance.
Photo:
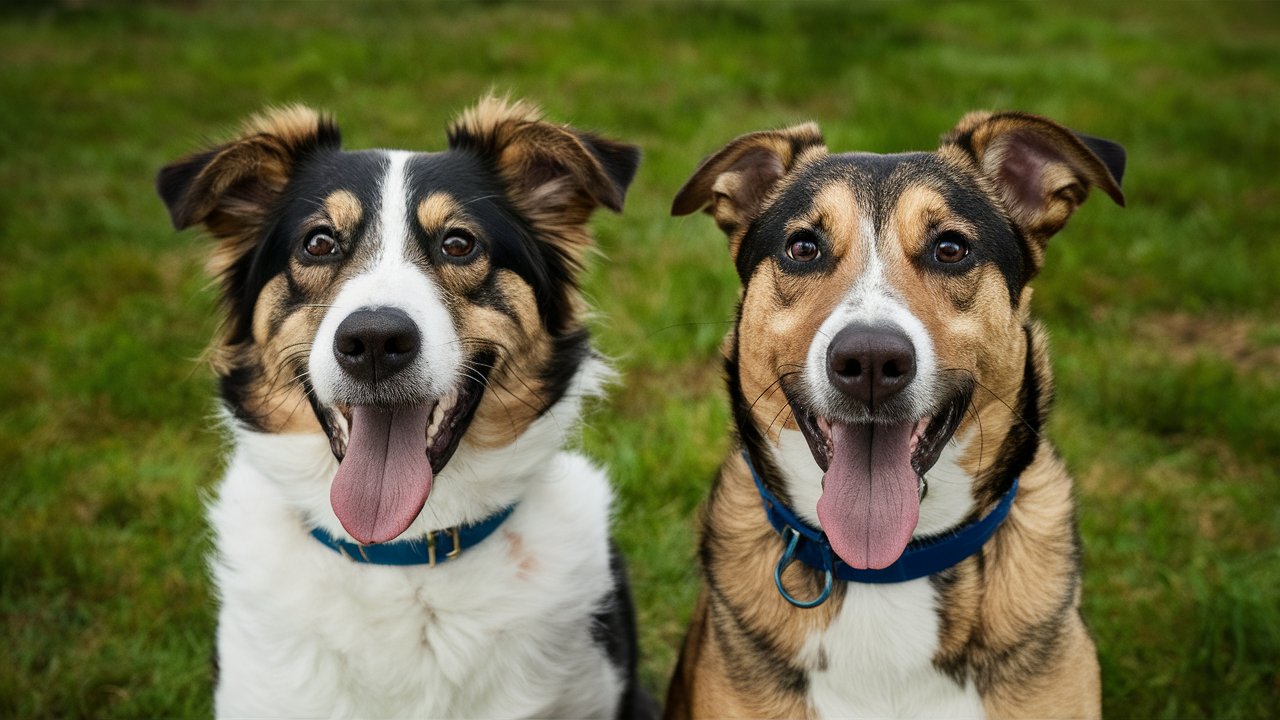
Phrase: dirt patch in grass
(1185, 336)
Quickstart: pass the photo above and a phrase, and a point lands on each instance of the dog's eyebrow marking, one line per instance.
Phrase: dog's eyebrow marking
(837, 209)
(436, 210)
(344, 209)
(916, 210)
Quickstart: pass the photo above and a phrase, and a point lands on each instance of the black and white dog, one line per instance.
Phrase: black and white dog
(401, 531)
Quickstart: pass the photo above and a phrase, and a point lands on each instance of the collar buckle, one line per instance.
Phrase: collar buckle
(431, 545)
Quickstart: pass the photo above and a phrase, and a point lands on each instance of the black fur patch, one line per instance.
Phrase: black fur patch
(613, 628)
(1023, 440)
(567, 355)
(747, 434)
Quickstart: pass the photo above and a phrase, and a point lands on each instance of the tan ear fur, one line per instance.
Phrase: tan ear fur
(556, 174)
(1041, 170)
(733, 183)
(230, 188)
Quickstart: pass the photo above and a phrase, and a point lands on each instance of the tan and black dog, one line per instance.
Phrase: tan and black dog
(892, 535)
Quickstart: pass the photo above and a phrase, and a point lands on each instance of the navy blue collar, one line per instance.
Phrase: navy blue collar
(921, 558)
(438, 546)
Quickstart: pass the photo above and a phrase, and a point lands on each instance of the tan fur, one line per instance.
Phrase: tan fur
(554, 179)
(494, 118)
(263, 152)
(515, 395)
(343, 210)
(277, 399)
(733, 183)
(1010, 624)
(781, 313)
(986, 337)
(436, 211)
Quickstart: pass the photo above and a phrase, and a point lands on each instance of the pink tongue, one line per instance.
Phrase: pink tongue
(870, 495)
(385, 477)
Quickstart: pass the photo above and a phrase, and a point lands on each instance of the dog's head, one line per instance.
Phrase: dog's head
(401, 302)
(885, 302)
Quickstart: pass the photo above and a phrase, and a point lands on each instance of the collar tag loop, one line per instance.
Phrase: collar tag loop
(788, 556)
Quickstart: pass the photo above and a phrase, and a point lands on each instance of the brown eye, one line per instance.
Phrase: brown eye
(321, 243)
(803, 247)
(458, 245)
(950, 247)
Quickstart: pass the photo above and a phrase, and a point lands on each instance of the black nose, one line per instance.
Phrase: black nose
(871, 363)
(373, 345)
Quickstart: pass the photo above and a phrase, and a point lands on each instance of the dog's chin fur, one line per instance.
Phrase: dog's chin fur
(306, 632)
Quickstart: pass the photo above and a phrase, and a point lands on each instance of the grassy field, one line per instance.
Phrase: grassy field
(1165, 316)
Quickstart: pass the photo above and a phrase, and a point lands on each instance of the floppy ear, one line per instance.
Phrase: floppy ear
(556, 174)
(231, 188)
(1041, 170)
(733, 183)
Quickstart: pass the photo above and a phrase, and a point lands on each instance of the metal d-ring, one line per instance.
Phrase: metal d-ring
(788, 556)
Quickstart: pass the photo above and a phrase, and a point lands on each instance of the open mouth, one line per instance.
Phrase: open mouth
(872, 479)
(389, 456)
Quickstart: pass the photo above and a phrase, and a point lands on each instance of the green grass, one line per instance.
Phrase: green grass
(1163, 315)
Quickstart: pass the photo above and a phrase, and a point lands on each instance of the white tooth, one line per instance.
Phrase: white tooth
(437, 414)
(443, 405)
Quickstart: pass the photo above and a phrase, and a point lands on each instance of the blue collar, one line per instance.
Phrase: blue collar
(921, 558)
(418, 551)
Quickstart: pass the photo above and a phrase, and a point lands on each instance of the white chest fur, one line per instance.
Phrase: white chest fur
(875, 658)
(503, 632)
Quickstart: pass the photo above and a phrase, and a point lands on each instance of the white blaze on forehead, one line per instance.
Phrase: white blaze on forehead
(872, 300)
(391, 280)
(394, 213)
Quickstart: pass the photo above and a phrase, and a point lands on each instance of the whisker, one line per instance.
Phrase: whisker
(993, 394)
(785, 409)
(771, 388)
(478, 199)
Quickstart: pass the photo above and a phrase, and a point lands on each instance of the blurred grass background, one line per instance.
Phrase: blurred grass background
(1165, 316)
